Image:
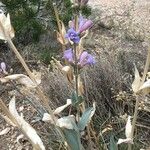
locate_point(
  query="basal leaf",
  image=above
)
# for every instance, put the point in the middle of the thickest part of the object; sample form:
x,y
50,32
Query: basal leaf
x,y
70,131
76,100
73,139
86,117
112,145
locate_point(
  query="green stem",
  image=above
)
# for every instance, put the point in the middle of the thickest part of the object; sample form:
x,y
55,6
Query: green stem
x,y
76,78
76,57
76,67
138,98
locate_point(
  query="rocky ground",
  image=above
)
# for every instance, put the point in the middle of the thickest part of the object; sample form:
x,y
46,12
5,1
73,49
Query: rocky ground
x,y
130,16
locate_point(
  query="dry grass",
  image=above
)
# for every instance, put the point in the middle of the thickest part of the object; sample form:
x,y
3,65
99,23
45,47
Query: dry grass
x,y
116,46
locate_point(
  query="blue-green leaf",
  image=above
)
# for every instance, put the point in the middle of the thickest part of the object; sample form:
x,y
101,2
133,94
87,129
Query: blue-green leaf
x,y
113,145
71,132
86,117
73,139
76,100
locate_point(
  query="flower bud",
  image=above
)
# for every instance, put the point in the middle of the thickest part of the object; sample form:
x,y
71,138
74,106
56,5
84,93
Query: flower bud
x,y
3,66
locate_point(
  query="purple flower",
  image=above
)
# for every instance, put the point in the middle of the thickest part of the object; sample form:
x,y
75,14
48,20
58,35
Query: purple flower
x,y
68,55
86,59
2,67
84,24
73,35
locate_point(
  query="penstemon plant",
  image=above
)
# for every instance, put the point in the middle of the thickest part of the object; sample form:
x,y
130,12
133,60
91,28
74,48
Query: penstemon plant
x,y
76,58
73,126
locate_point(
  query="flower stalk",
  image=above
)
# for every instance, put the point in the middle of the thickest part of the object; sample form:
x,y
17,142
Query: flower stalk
x,y
76,58
138,95
20,58
76,68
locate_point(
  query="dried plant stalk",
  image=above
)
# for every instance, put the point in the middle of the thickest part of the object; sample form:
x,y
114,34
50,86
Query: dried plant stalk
x,y
138,97
43,98
5,110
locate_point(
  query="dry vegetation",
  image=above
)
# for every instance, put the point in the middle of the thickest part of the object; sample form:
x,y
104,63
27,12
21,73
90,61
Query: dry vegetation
x,y
119,39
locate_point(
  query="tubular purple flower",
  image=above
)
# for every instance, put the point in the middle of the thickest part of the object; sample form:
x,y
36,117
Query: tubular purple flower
x,y
84,24
68,55
73,36
82,21
86,59
2,67
88,24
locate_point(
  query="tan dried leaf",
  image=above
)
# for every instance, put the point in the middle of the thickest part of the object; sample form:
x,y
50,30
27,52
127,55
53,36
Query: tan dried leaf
x,y
128,128
26,128
69,73
125,141
61,108
61,36
109,128
5,131
21,136
63,30
80,47
48,118
5,21
66,122
137,81
80,87
93,111
23,79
